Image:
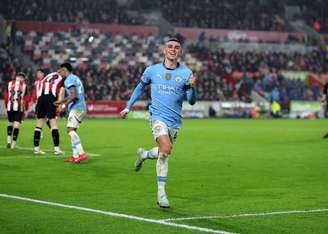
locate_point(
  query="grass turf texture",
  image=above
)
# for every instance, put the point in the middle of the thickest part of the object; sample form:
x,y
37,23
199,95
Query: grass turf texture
x,y
218,167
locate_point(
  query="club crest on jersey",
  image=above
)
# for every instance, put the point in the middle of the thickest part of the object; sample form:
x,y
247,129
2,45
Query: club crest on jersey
x,y
178,79
157,129
168,76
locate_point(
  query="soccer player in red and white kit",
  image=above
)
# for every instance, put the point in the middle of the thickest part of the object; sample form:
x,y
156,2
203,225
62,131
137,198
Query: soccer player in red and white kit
x,y
47,90
16,101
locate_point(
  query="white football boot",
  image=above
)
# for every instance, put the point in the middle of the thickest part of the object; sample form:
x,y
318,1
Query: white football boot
x,y
140,160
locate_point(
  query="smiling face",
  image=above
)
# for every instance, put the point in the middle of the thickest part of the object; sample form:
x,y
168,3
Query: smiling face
x,y
172,50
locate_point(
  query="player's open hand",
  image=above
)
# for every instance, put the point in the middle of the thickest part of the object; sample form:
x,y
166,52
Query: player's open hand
x,y
124,113
58,103
192,81
60,108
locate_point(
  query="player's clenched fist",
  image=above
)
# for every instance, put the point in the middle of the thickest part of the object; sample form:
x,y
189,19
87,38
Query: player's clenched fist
x,y
192,81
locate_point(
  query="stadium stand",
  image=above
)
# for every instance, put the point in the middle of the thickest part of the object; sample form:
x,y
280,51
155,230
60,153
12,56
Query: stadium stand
x,y
245,15
83,11
225,14
111,63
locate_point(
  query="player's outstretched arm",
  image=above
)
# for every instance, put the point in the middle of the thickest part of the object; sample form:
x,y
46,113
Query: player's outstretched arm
x,y
61,96
134,97
191,92
67,100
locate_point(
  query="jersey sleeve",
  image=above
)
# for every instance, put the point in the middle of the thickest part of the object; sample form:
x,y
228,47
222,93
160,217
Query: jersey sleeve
x,y
146,76
186,79
33,97
26,98
70,82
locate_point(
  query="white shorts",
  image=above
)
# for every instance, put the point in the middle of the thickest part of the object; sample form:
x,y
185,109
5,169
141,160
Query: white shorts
x,y
75,118
159,128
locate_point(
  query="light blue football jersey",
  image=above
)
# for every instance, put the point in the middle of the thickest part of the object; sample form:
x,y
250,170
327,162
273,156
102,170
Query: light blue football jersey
x,y
168,90
74,81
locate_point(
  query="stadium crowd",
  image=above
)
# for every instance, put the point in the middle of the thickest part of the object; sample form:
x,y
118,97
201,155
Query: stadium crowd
x,y
110,65
314,13
245,15
82,11
112,75
225,14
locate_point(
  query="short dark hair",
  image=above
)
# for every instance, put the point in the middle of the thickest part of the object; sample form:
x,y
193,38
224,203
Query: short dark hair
x,y
68,66
22,74
176,37
40,70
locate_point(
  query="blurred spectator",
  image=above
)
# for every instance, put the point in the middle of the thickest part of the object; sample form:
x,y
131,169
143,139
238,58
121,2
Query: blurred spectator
x,y
2,30
245,15
82,11
239,14
111,66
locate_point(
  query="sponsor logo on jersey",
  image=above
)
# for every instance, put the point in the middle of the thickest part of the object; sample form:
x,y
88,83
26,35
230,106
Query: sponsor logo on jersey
x,y
168,76
178,79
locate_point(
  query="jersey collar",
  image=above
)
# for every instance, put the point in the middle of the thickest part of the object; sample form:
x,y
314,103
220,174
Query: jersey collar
x,y
178,65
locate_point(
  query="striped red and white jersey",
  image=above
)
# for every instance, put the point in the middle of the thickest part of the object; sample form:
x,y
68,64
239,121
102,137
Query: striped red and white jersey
x,y
17,96
50,84
34,97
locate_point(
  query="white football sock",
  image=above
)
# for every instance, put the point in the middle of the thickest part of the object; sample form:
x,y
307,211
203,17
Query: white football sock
x,y
74,150
13,144
76,143
9,139
162,170
150,154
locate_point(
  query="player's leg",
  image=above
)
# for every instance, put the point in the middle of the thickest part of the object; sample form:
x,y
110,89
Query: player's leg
x,y
9,134
10,128
17,117
37,135
77,148
326,116
75,154
153,152
158,128
148,154
41,109
161,135
16,126
55,136
143,155
165,147
48,123
73,123
51,120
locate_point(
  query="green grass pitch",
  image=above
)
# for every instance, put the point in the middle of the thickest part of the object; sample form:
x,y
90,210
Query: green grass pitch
x,y
218,168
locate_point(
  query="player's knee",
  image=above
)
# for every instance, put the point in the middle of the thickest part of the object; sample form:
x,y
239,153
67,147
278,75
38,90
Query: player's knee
x,y
69,130
53,123
16,125
166,149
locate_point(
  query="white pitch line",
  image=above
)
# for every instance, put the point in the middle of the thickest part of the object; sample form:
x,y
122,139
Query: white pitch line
x,y
248,215
114,214
47,150
36,157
